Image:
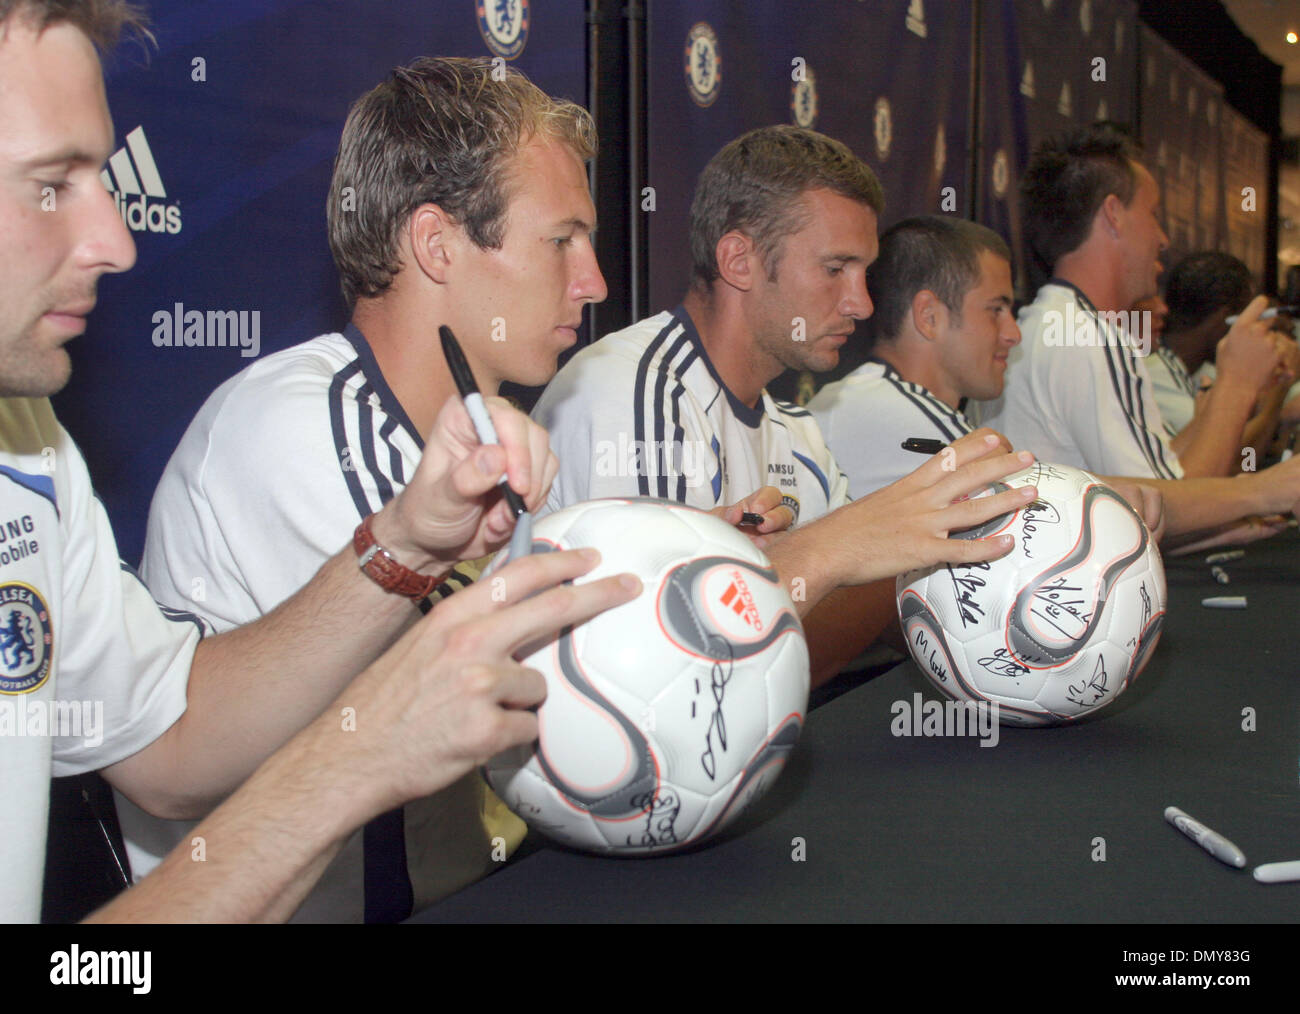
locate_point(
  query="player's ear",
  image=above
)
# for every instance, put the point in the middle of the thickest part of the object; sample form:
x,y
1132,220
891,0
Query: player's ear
x,y
432,235
738,260
929,315
1110,215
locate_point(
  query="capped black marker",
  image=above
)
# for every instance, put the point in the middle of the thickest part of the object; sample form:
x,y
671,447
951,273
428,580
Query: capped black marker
x,y
923,445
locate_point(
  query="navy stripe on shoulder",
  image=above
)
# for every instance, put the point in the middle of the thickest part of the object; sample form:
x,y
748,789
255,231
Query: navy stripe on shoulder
x,y
639,397
661,449
1155,446
175,615
679,431
809,464
940,415
342,451
1127,388
366,435
387,399
395,465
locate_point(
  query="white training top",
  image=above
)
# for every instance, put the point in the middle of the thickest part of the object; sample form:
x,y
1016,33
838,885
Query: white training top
x,y
867,415
1077,392
91,671
270,480
642,412
1175,390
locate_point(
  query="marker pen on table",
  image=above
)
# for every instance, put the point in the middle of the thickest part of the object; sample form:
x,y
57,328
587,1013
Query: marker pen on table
x,y
1213,843
1277,873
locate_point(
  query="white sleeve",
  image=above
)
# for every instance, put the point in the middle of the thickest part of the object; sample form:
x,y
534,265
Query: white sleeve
x,y
867,422
1084,405
1176,404
840,494
590,414
562,413
117,647
252,503
837,482
1112,414
849,435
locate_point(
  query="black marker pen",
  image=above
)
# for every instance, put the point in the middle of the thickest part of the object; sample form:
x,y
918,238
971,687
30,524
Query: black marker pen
x,y
923,445
476,407
521,539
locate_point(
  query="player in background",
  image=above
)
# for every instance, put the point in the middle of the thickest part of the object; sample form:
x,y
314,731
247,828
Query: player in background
x,y
1203,290
783,228
187,720
941,334
1077,389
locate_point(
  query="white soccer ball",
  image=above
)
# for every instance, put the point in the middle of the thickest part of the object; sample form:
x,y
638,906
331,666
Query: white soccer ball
x,y
667,716
1059,627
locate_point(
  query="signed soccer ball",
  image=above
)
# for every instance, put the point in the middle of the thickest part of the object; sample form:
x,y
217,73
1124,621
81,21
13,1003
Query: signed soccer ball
x,y
667,716
1059,627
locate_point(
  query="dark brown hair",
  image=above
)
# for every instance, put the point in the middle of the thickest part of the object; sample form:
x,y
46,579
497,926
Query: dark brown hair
x,y
932,252
1067,180
755,185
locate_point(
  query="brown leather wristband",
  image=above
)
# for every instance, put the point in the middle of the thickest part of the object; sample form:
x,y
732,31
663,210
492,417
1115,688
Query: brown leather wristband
x,y
378,565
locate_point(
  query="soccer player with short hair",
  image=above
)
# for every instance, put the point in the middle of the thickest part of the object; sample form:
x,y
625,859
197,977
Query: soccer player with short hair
x,y
941,333
1077,389
459,197
1202,291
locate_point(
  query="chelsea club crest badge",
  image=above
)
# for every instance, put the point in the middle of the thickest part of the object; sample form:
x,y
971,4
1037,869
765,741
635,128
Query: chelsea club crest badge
x,y
26,639
883,128
503,25
703,64
803,97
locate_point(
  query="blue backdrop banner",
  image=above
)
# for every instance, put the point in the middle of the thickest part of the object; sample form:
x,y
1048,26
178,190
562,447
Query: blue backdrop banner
x,y
889,78
1045,66
1182,124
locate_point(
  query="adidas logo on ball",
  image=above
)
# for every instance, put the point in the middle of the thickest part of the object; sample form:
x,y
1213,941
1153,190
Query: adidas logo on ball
x,y
671,715
740,601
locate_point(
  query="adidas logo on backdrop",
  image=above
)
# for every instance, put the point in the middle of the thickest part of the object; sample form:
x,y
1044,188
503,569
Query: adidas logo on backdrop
x,y
132,178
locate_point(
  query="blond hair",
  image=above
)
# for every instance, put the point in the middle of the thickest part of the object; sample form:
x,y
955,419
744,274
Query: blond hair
x,y
440,131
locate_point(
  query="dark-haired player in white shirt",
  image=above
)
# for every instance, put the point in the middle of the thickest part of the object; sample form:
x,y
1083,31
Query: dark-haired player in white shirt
x,y
941,333
1077,390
